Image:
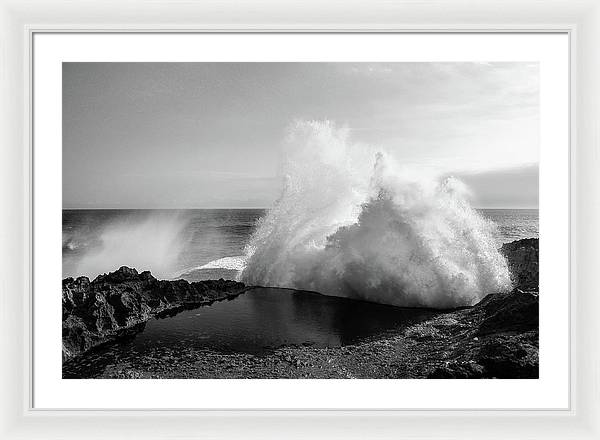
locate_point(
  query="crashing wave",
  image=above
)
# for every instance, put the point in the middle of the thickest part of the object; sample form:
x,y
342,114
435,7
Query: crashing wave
x,y
351,222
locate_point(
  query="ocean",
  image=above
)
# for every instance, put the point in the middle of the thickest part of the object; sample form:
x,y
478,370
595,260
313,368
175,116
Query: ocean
x,y
196,244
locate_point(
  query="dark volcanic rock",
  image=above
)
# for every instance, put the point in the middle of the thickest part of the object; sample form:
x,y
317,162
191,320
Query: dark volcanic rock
x,y
458,370
511,356
501,339
117,303
523,261
509,334
517,311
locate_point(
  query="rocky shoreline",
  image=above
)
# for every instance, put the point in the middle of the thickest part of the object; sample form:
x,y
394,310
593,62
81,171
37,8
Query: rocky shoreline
x,y
496,338
119,303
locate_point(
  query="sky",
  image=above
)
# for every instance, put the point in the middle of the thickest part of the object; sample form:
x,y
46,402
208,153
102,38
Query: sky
x,y
209,135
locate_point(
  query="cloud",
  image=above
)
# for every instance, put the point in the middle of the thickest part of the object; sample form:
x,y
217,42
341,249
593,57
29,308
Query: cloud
x,y
516,187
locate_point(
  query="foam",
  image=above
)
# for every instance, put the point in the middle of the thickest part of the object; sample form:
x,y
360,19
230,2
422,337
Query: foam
x,y
352,222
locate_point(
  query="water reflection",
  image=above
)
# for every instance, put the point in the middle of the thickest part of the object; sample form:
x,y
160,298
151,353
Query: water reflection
x,y
260,320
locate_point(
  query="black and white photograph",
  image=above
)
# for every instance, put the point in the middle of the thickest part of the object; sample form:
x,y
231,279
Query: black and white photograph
x,y
300,220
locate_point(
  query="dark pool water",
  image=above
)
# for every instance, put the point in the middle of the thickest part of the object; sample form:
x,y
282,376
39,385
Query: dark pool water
x,y
260,320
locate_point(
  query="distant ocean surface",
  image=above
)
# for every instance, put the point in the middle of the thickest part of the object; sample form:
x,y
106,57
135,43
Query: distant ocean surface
x,y
195,244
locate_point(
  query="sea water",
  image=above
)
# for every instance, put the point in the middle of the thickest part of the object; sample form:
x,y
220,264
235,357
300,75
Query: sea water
x,y
196,244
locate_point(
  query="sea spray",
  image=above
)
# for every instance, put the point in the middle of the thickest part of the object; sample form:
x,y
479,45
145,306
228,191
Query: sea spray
x,y
145,240
351,222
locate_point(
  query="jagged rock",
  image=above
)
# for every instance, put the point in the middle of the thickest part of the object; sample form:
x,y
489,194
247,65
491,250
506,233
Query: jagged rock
x,y
517,311
523,261
501,340
119,303
510,355
458,370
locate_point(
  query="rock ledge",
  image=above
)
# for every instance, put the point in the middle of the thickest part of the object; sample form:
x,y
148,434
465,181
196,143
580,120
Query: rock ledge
x,y
119,303
523,261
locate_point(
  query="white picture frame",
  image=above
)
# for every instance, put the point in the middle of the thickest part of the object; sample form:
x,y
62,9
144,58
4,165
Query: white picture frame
x,y
581,20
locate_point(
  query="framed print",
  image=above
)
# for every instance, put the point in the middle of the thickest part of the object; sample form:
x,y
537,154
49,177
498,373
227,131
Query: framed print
x,y
262,225
367,239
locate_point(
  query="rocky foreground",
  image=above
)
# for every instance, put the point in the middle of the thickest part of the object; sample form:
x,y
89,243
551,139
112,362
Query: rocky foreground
x,y
498,337
119,303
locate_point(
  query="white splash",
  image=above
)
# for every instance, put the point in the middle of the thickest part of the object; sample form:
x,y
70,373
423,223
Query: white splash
x,y
351,222
229,263
150,242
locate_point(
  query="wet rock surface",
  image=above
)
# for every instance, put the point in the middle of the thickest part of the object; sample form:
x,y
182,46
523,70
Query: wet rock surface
x,y
523,261
496,338
117,305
